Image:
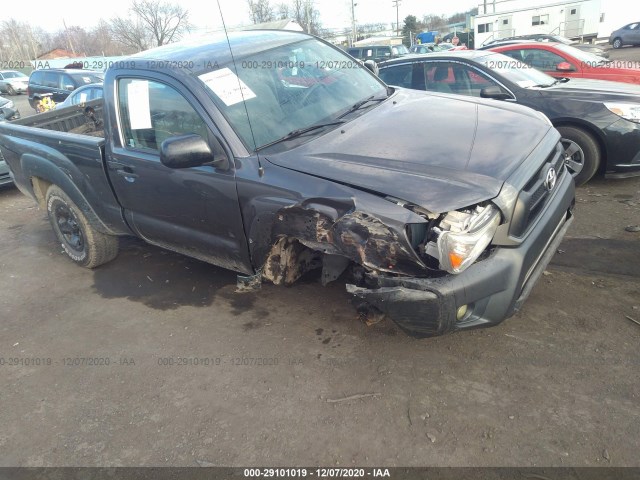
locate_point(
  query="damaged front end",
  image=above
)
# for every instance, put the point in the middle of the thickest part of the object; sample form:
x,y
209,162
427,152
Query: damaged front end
x,y
431,273
311,235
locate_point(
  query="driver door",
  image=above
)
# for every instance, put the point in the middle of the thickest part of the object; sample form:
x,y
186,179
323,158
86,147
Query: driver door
x,y
195,210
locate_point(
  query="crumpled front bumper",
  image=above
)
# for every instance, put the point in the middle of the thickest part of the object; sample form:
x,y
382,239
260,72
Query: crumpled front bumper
x,y
492,289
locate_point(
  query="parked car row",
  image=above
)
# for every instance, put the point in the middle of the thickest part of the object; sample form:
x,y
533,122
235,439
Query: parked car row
x,y
599,121
542,37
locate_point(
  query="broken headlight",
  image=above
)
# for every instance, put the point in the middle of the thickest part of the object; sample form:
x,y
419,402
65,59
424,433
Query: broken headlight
x,y
463,236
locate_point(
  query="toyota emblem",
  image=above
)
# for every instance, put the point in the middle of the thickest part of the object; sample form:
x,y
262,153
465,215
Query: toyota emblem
x,y
550,181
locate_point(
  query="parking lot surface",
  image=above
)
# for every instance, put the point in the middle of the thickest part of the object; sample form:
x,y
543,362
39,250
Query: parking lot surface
x,y
153,359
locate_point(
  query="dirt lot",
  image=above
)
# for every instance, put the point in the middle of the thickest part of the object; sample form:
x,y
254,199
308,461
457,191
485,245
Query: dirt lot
x,y
555,385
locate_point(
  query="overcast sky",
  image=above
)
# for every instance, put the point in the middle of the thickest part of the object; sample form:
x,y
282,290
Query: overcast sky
x,y
205,14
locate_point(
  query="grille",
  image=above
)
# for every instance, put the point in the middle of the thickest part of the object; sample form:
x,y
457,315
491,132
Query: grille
x,y
535,194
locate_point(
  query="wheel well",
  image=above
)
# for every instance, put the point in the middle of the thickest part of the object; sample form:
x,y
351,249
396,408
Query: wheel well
x,y
591,131
40,187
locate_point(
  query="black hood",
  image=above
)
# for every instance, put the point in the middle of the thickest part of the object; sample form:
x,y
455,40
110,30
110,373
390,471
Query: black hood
x,y
600,90
442,152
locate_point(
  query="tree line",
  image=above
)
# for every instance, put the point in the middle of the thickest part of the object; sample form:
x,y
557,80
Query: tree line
x,y
149,23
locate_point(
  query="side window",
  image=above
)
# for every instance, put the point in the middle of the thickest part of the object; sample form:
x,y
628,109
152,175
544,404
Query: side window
x,y
542,59
51,80
151,112
67,82
439,77
36,77
517,54
478,80
95,93
383,52
399,75
80,97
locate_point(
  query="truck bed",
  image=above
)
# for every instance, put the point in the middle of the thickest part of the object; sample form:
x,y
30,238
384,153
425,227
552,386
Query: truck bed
x,y
83,120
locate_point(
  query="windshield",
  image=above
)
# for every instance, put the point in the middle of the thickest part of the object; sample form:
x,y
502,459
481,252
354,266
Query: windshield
x,y
584,57
14,75
288,88
518,72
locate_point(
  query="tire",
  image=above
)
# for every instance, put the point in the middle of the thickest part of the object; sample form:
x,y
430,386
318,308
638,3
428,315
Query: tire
x,y
80,240
617,42
582,154
11,90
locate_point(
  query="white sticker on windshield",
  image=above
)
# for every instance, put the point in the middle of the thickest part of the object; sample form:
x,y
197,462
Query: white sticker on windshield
x,y
138,98
227,86
526,83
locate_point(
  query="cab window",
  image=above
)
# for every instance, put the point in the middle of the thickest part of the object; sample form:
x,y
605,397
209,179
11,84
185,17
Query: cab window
x,y
151,112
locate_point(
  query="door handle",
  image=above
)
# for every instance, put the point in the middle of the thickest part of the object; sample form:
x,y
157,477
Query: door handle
x,y
115,165
125,173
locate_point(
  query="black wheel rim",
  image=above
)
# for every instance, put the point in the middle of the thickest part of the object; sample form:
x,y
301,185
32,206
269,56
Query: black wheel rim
x,y
573,157
69,228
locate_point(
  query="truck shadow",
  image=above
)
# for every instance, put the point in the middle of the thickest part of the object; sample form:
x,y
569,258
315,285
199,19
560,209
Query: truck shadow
x,y
161,279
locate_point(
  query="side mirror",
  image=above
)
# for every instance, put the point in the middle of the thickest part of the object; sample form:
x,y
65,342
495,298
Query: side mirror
x,y
494,92
373,66
186,151
564,67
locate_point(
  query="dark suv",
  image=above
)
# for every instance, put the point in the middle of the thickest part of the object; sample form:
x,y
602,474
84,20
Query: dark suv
x,y
59,83
378,53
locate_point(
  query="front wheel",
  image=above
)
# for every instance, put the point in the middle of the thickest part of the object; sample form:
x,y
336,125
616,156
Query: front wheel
x,y
11,90
85,245
581,153
617,43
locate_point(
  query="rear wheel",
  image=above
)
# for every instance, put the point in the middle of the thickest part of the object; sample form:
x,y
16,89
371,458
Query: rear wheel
x,y
617,43
581,153
85,245
11,90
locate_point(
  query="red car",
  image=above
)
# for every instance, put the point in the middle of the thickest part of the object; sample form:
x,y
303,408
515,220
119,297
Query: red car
x,y
560,60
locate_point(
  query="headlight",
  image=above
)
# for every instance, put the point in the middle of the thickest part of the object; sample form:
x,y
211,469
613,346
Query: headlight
x,y
628,111
464,236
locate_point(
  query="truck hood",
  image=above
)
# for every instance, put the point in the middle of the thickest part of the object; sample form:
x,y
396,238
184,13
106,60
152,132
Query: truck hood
x,y
442,152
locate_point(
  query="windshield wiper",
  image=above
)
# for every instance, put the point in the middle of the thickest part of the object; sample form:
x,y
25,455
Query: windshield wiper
x,y
301,131
360,104
555,82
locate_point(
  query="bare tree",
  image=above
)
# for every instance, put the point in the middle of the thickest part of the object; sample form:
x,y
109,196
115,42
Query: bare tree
x,y
283,11
20,41
434,22
261,11
307,16
153,23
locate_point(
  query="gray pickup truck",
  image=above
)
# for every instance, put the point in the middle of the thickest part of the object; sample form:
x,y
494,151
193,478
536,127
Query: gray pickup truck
x,y
289,156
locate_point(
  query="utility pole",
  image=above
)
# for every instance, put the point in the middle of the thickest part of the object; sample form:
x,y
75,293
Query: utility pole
x,y
396,3
354,34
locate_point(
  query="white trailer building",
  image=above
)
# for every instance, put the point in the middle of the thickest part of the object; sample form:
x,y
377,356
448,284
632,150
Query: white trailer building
x,y
581,19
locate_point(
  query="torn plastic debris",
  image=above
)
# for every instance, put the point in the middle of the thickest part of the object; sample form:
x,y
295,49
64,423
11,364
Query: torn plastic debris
x,y
251,283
